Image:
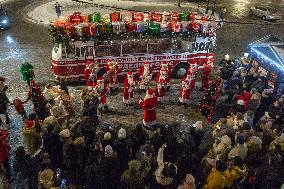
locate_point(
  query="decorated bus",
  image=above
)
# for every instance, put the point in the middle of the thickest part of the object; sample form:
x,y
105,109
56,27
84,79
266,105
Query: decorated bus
x,y
130,39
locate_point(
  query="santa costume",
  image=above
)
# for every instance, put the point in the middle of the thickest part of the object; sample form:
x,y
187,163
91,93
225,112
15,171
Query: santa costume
x,y
112,73
149,105
167,67
90,73
101,90
161,85
129,86
187,83
145,75
205,76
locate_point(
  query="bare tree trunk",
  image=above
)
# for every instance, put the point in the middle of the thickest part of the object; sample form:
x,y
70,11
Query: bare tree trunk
x,y
179,2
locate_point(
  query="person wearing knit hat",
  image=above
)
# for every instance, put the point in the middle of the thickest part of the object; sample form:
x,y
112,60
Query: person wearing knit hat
x,y
121,133
107,136
65,133
149,105
79,141
240,149
188,183
222,148
129,86
108,151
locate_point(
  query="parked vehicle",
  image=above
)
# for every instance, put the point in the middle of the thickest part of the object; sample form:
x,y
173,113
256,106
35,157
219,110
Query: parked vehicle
x,y
265,13
5,21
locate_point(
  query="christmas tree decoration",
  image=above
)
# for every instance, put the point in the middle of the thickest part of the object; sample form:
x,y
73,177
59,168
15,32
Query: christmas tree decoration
x,y
79,28
92,29
95,17
207,104
60,22
27,72
115,17
69,29
137,17
192,17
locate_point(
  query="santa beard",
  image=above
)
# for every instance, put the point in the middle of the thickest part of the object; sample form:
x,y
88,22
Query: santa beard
x,y
146,71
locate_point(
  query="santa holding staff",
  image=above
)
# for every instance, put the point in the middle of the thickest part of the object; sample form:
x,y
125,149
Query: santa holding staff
x,y
161,84
129,86
149,105
145,75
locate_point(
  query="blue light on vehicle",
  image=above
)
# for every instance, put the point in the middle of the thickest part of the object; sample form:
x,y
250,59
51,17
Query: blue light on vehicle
x,y
5,21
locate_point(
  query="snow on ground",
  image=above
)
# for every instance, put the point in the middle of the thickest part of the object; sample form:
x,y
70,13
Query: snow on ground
x,y
45,13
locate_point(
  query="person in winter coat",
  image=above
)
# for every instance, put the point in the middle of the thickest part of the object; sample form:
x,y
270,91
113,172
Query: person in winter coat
x,y
90,111
121,146
135,174
222,147
4,151
138,138
27,167
53,146
240,149
110,168
67,144
166,171
4,101
32,137
238,171
218,177
19,107
188,183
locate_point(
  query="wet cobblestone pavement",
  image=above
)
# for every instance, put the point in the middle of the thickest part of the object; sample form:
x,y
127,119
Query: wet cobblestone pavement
x,y
30,42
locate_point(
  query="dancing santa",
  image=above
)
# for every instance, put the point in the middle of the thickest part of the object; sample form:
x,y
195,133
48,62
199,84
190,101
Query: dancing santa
x,y
145,75
100,91
112,72
149,105
161,84
167,67
91,72
187,84
129,86
205,76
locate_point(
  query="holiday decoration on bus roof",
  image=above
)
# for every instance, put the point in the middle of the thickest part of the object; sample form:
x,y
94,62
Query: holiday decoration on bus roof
x,y
119,25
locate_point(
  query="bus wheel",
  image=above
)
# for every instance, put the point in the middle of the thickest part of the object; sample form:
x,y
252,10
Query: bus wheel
x,y
180,70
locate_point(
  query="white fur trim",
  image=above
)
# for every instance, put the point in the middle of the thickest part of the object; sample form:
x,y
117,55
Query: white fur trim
x,y
182,100
227,57
149,123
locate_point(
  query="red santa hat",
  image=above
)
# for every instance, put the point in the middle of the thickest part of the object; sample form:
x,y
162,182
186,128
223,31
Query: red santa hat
x,y
150,93
164,64
240,102
129,73
146,63
88,62
100,79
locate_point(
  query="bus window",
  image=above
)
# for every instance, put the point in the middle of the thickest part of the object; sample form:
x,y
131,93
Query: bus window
x,y
115,47
154,46
127,47
186,46
140,46
102,49
91,51
71,51
78,51
176,45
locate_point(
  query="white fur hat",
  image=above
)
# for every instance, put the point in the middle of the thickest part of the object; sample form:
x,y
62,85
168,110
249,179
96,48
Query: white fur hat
x,y
227,57
65,133
199,125
121,133
246,55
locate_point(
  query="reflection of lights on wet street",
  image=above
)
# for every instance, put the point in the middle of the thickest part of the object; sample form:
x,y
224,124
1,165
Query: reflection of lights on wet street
x,y
239,7
10,40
